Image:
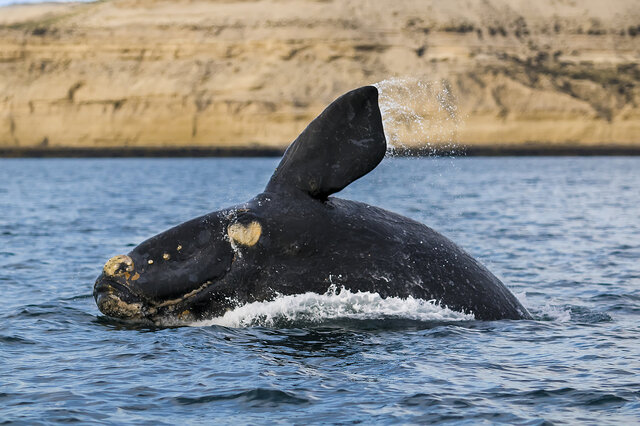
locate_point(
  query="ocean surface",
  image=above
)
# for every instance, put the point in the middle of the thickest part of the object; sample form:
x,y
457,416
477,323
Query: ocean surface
x,y
562,233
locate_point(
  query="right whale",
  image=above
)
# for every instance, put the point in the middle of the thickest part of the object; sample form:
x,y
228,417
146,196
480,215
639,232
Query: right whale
x,y
294,238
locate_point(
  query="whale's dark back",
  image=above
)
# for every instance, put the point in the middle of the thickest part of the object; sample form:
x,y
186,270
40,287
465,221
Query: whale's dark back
x,y
309,245
360,246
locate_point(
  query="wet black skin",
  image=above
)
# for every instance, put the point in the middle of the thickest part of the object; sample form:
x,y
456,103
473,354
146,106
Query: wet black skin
x,y
307,242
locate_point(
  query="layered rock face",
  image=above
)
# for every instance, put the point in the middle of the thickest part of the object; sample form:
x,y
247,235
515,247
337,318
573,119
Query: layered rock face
x,y
144,73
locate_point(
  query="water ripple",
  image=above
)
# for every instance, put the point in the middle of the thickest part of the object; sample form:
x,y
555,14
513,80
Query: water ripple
x,y
254,398
560,232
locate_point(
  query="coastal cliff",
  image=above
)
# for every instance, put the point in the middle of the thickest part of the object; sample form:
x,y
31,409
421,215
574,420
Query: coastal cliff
x,y
252,74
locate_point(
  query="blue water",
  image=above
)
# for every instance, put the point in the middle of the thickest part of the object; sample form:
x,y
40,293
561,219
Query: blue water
x,y
563,234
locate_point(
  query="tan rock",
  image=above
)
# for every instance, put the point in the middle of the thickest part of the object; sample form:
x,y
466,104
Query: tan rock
x,y
143,73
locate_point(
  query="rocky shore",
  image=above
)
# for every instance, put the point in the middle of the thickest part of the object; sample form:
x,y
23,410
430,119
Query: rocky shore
x,y
246,76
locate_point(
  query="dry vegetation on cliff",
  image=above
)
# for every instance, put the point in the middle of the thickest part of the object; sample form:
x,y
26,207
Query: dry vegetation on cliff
x,y
144,73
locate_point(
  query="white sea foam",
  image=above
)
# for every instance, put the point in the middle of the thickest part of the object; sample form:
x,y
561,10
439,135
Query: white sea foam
x,y
546,312
554,313
334,304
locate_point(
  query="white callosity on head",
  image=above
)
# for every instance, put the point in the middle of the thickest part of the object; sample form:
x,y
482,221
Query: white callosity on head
x,y
118,265
116,307
244,235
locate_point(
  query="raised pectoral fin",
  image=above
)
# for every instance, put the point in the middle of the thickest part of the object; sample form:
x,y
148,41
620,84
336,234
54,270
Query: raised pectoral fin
x,y
342,144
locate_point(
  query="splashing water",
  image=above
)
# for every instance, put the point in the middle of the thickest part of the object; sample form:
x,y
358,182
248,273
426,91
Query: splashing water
x,y
334,304
418,116
546,312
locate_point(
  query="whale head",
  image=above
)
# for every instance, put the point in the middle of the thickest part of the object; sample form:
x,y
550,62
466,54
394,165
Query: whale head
x,y
195,270
168,275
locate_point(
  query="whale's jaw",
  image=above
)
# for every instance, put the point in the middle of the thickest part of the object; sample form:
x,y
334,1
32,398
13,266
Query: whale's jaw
x,y
116,301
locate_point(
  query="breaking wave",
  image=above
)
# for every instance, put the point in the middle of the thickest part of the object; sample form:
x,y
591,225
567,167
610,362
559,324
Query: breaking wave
x,y
313,308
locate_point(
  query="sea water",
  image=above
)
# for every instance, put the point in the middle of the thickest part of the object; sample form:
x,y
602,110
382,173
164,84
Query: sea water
x,y
562,233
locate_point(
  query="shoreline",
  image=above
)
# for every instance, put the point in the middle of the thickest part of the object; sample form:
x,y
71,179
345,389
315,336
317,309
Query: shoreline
x,y
196,152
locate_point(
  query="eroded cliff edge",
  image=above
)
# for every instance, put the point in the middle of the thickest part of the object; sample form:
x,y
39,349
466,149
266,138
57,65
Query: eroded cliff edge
x,y
143,73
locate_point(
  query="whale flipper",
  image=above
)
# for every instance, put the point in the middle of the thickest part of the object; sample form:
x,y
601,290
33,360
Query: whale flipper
x,y
342,144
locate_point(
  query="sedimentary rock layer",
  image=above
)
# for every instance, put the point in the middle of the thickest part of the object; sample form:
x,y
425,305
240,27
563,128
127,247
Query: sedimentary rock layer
x,y
143,73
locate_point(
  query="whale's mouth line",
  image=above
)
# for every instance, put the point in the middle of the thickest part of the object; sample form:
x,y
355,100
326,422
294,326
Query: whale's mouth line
x,y
193,293
112,287
107,286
